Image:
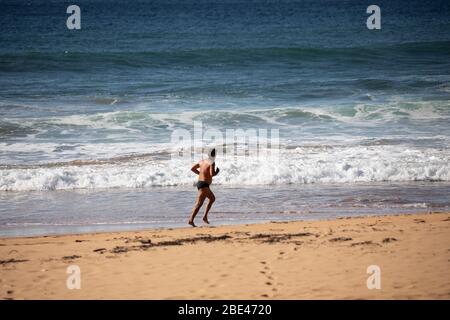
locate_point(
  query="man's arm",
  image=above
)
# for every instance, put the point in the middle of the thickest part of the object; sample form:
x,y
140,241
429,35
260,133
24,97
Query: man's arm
x,y
195,167
213,170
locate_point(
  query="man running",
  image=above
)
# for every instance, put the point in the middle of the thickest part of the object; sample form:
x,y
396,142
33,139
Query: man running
x,y
206,169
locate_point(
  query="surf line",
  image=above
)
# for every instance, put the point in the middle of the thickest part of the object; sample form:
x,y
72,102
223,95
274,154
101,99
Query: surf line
x,y
190,310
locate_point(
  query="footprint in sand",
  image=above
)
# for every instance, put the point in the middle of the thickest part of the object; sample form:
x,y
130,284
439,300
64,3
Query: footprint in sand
x,y
268,280
281,255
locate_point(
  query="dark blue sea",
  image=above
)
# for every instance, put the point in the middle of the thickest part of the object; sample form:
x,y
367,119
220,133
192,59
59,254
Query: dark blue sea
x,y
87,116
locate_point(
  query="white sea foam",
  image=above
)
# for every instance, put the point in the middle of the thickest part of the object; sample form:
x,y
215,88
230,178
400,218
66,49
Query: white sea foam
x,y
302,165
49,152
393,141
134,121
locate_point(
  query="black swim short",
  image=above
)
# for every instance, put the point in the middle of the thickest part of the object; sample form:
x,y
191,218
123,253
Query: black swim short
x,y
202,184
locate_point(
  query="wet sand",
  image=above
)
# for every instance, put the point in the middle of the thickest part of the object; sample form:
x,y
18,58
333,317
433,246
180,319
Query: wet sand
x,y
282,260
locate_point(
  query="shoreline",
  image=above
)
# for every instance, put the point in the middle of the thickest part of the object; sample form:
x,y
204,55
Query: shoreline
x,y
130,210
200,225
325,259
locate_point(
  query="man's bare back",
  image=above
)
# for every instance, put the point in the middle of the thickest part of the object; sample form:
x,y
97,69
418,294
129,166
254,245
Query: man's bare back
x,y
206,170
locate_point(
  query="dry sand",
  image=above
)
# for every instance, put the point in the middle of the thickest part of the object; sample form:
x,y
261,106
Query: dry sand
x,y
294,260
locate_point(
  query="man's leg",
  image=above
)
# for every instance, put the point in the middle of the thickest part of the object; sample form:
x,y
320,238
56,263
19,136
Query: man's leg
x,y
198,204
212,198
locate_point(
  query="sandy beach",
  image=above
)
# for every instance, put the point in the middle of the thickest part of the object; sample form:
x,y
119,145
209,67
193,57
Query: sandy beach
x,y
292,260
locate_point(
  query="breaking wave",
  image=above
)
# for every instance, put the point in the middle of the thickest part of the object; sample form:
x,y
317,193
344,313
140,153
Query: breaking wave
x,y
300,165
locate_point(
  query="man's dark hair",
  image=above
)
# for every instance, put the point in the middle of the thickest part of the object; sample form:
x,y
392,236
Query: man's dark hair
x,y
213,152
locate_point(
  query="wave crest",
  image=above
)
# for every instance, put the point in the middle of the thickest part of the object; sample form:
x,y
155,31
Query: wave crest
x,y
302,165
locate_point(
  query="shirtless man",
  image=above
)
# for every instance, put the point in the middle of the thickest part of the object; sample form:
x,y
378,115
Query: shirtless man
x,y
206,169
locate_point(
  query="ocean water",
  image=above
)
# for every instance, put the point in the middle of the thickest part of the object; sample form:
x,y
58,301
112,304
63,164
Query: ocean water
x,y
86,116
